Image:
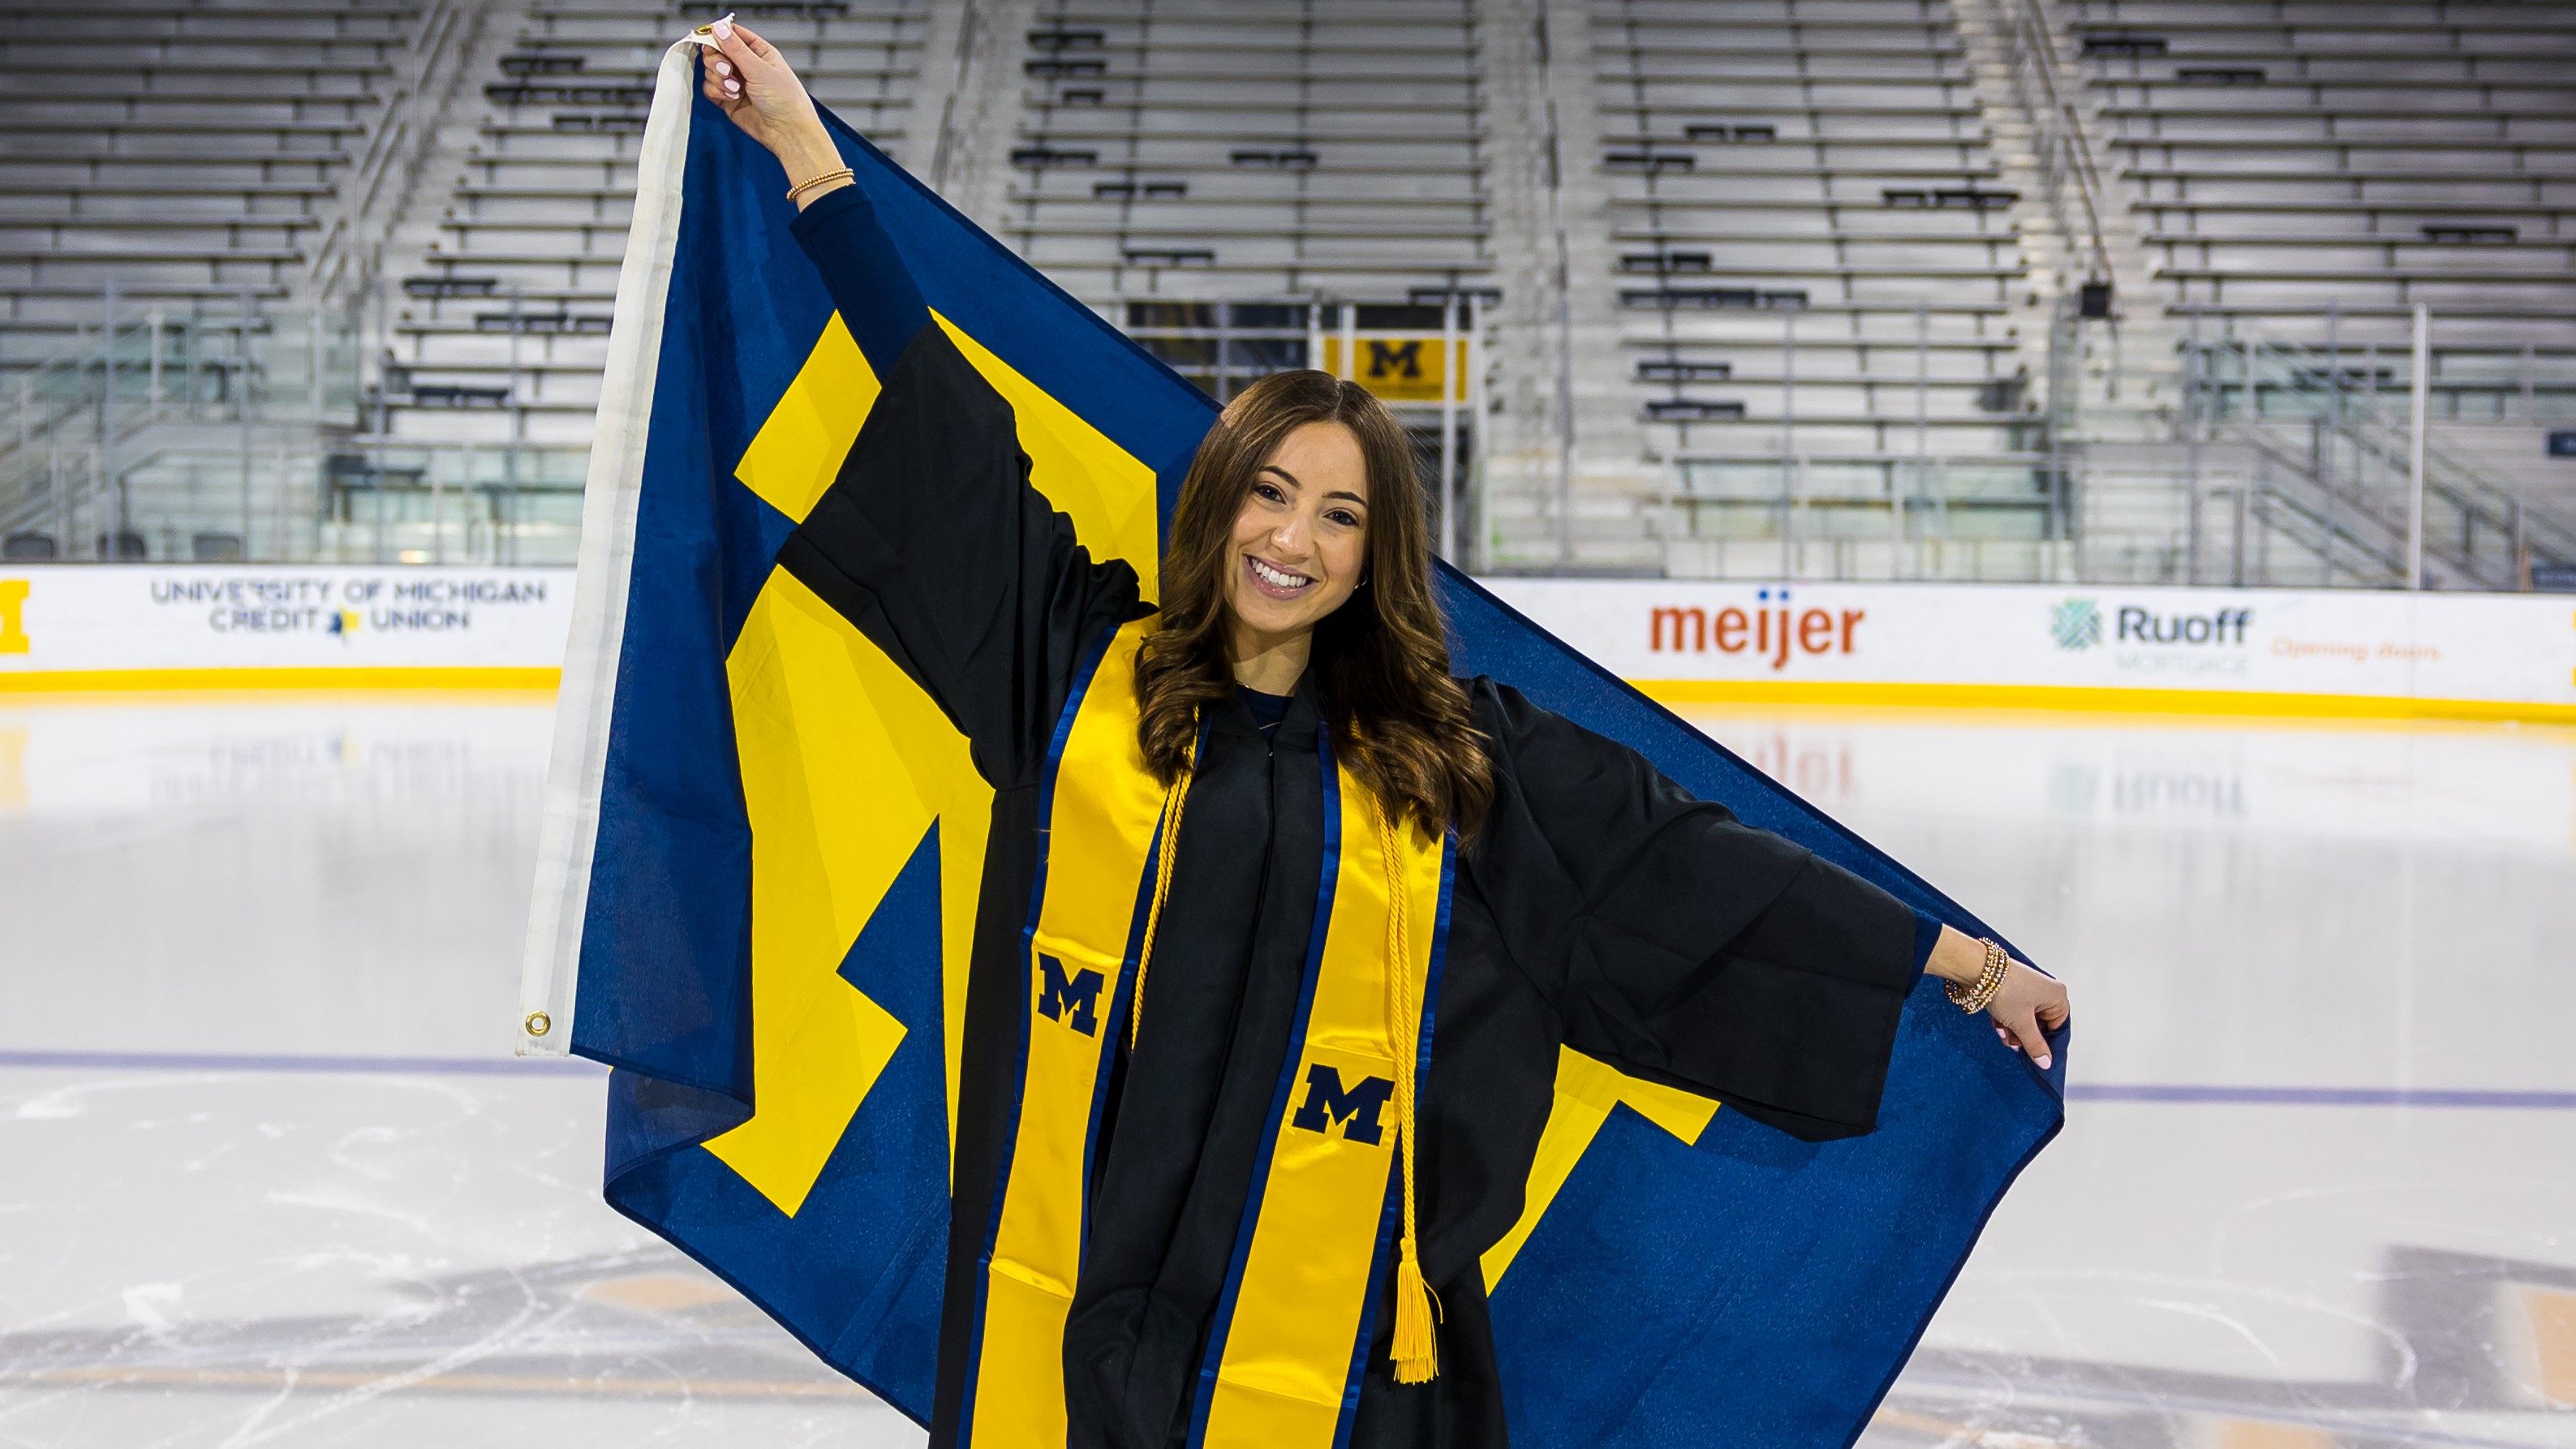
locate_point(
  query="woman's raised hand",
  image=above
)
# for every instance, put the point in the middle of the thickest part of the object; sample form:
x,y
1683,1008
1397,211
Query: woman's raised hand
x,y
751,82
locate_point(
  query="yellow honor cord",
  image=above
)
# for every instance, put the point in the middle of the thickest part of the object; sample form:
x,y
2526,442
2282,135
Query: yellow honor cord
x,y
1416,1349
1173,799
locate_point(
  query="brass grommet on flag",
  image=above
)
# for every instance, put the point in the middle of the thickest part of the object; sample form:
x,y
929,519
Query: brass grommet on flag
x,y
538,1023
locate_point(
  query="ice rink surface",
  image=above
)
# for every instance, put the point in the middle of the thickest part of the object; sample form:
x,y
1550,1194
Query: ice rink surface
x,y
268,1177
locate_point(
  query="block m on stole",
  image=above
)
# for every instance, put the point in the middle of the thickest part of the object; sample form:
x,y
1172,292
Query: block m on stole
x,y
1356,1109
1075,1001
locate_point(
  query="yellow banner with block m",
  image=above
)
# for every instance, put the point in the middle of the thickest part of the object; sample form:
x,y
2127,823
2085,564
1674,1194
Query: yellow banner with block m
x,y
1402,367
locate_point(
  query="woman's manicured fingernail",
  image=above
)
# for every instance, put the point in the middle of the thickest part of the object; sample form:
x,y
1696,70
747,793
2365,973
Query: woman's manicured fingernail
x,y
723,69
724,30
2043,1061
733,88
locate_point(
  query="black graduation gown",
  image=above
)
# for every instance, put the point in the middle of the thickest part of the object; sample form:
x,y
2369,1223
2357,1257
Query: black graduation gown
x,y
1602,907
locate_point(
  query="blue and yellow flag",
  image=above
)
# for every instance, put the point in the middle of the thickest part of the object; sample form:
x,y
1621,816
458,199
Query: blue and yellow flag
x,y
763,844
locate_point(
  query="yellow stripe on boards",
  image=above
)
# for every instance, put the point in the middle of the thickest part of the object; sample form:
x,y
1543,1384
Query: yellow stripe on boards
x,y
1108,494
845,763
326,679
1306,1276
2098,700
2068,698
801,445
1586,1091
1099,830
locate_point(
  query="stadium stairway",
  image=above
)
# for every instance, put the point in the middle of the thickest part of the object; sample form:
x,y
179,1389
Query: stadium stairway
x,y
502,316
1828,324
492,322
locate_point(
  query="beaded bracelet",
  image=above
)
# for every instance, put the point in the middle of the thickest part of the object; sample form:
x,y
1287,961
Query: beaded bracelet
x,y
1989,983
826,179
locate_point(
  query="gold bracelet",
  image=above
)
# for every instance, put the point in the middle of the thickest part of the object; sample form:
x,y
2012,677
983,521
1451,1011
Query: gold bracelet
x,y
1989,983
826,179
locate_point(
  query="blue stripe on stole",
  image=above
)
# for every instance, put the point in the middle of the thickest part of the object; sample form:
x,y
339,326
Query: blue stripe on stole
x,y
1082,676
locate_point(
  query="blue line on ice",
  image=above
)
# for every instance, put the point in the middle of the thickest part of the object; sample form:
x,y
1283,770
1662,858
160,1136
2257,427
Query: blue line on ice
x,y
562,1066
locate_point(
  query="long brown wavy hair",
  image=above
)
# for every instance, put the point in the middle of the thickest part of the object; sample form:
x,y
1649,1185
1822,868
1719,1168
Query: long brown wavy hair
x,y
1381,660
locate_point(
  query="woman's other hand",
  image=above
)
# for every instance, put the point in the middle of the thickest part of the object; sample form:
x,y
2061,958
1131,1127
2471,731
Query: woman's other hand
x,y
752,83
2030,1004
2027,1007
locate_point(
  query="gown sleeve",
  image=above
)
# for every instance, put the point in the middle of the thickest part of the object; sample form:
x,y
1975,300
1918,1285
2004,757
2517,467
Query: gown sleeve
x,y
931,540
1680,945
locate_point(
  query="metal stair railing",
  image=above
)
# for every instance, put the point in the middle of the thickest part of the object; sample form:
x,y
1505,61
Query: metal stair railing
x,y
76,426
2352,465
2065,154
349,252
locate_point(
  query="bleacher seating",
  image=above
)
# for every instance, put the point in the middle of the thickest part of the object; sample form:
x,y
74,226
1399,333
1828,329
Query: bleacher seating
x,y
182,148
1820,273
1214,149
2361,156
1814,287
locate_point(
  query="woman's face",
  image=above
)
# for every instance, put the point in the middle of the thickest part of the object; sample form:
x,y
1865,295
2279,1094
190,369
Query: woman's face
x,y
1301,541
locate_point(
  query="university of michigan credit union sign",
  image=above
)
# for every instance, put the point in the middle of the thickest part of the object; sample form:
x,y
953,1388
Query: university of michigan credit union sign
x,y
119,626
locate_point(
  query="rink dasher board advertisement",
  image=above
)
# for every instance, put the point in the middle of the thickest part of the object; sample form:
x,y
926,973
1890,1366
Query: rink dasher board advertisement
x,y
2255,650
151,626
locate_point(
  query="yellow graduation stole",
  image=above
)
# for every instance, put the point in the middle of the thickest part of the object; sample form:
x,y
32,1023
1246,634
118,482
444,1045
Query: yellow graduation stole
x,y
1328,1204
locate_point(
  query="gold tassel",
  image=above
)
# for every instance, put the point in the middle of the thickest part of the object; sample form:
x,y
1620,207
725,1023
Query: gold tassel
x,y
1417,1349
